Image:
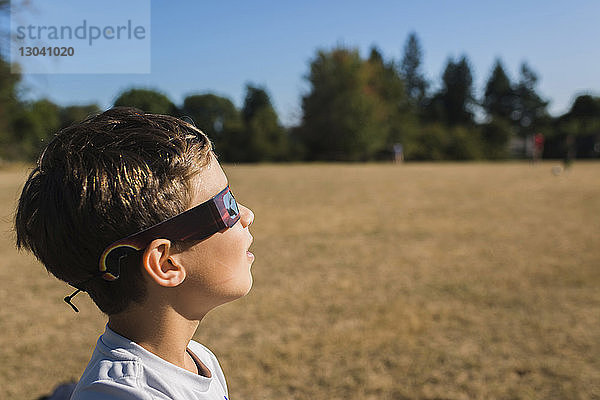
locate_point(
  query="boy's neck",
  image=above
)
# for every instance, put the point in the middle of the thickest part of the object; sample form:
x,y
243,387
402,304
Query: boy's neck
x,y
164,333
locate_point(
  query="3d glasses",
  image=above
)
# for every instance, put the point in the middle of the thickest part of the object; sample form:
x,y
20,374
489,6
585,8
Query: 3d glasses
x,y
197,223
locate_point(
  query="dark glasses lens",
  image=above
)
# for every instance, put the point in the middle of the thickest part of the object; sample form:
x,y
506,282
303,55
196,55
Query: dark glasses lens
x,y
231,205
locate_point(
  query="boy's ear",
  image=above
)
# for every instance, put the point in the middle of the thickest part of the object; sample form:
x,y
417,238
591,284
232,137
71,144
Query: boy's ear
x,y
160,266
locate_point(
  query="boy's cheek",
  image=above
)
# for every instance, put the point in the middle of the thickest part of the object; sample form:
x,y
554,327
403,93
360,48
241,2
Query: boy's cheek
x,y
219,266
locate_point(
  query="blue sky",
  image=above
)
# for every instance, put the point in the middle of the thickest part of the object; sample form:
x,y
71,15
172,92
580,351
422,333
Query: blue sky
x,y
202,46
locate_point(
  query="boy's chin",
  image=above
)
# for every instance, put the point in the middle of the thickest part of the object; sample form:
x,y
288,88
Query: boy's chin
x,y
244,287
239,289
251,281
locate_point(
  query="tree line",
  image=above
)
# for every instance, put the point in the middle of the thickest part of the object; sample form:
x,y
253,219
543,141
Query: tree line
x,y
356,109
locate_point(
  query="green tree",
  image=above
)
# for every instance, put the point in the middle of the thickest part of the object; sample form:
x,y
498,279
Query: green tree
x,y
70,114
256,99
499,98
9,107
579,129
396,111
464,143
211,113
429,143
219,118
585,106
344,114
148,100
375,56
411,71
453,104
499,103
265,138
457,96
530,111
495,136
436,141
33,126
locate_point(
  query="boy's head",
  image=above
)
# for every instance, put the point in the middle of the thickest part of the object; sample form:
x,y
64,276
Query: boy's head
x,y
101,180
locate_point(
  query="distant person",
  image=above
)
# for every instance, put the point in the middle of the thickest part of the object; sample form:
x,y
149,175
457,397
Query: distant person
x,y
538,147
569,151
398,152
135,210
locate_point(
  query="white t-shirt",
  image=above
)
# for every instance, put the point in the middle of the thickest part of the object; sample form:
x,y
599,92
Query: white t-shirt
x,y
121,369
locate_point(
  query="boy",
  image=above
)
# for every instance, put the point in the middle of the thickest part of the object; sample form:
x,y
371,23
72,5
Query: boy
x,y
135,210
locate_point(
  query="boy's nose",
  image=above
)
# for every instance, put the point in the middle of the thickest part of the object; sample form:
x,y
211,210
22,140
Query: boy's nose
x,y
246,216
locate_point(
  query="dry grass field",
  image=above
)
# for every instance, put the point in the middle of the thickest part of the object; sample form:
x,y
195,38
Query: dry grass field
x,y
416,281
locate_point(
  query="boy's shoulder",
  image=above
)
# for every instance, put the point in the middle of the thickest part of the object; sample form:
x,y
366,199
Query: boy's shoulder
x,y
121,369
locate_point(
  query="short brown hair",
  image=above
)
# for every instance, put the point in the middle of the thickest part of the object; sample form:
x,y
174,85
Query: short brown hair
x,y
100,180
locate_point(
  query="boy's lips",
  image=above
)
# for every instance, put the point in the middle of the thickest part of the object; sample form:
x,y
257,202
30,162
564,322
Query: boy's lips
x,y
249,254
